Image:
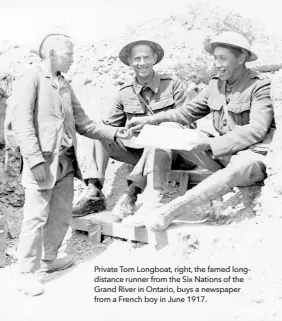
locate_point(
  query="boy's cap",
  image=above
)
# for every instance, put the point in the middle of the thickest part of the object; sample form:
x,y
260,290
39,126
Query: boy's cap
x,y
39,43
50,34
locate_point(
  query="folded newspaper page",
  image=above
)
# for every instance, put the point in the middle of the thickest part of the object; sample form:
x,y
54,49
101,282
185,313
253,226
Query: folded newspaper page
x,y
167,138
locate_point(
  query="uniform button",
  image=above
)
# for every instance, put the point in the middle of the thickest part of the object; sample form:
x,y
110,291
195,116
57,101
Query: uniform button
x,y
224,123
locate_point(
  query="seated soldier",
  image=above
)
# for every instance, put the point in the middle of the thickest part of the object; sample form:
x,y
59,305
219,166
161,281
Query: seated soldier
x,y
149,93
242,111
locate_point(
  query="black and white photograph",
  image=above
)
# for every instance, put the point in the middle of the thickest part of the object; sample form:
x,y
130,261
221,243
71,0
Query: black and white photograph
x,y
140,160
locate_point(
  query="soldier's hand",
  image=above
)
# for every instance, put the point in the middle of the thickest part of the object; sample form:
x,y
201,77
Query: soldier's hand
x,y
124,133
137,123
39,172
201,143
200,147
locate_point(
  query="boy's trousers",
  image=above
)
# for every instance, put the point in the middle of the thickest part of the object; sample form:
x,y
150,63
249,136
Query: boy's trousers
x,y
47,215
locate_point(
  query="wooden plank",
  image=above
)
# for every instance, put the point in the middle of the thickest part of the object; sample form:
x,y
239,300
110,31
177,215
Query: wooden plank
x,y
192,177
195,176
184,180
81,223
95,233
88,224
139,234
2,249
108,227
99,224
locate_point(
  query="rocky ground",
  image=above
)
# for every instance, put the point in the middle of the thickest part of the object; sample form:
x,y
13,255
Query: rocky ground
x,y
248,233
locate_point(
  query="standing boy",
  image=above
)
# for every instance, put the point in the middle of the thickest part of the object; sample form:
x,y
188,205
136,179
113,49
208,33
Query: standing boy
x,y
46,116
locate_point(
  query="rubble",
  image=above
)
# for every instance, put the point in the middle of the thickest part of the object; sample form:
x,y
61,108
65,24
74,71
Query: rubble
x,y
97,72
96,75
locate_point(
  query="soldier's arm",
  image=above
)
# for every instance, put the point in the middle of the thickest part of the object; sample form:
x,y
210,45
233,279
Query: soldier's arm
x,y
116,116
179,93
242,137
22,119
87,127
186,114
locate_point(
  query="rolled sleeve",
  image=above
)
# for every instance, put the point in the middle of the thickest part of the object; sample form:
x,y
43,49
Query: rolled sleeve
x,y
35,160
87,127
242,137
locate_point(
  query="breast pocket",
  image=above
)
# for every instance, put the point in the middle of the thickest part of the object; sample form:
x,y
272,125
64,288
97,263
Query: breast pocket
x,y
134,110
239,107
163,104
240,112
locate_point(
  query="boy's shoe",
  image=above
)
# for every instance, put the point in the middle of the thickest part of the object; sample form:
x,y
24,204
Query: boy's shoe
x,y
56,265
29,284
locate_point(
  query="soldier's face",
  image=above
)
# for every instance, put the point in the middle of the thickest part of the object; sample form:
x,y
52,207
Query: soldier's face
x,y
142,60
226,63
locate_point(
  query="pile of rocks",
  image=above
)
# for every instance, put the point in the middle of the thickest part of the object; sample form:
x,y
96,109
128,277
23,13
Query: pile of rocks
x,y
97,72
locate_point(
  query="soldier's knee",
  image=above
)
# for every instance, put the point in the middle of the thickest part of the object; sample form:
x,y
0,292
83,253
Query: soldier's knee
x,y
246,172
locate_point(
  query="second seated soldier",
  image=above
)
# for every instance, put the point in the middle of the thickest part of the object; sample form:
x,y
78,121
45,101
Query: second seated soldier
x,y
242,112
149,93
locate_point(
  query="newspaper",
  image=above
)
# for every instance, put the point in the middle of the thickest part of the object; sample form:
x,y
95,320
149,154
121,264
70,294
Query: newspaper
x,y
167,138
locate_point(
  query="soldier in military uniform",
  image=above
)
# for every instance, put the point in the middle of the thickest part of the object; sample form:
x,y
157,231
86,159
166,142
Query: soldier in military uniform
x,y
242,112
149,93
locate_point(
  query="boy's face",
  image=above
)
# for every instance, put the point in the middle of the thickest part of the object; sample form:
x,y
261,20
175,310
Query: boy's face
x,y
63,57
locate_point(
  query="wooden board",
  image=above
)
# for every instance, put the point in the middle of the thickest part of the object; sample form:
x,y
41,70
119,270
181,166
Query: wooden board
x,y
184,181
104,222
2,249
195,176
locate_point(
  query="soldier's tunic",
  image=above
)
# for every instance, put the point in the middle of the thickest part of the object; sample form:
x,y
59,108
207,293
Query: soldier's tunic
x,y
243,116
164,92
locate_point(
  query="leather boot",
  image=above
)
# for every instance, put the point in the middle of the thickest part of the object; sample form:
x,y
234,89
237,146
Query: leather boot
x,y
93,201
205,192
158,165
126,204
151,199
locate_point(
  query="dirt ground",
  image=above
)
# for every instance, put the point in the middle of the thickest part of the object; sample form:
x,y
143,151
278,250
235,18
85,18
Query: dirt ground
x,y
225,242
70,293
246,235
